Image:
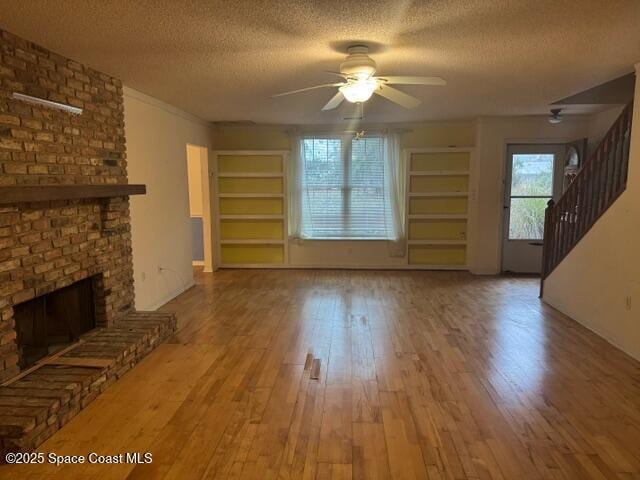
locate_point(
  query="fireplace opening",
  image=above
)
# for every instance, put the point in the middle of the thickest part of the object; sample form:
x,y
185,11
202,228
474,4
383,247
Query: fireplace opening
x,y
49,323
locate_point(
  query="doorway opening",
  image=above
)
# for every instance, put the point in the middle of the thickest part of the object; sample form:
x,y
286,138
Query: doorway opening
x,y
200,206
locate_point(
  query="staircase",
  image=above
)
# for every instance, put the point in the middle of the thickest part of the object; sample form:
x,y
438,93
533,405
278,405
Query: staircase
x,y
599,183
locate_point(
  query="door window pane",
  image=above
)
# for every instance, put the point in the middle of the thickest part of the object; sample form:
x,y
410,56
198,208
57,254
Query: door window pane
x,y
532,174
526,218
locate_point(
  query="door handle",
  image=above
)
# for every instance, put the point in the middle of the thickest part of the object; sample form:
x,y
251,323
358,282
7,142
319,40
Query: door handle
x,y
536,244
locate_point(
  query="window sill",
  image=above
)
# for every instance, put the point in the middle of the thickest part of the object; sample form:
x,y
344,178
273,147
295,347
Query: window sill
x,y
344,239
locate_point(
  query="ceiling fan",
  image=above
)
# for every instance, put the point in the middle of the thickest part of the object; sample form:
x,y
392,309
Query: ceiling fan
x,y
556,116
358,71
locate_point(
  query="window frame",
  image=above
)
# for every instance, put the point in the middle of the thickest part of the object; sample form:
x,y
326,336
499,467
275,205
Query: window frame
x,y
346,151
510,197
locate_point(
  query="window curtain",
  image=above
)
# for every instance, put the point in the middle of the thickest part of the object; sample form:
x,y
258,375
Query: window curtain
x,y
295,176
395,177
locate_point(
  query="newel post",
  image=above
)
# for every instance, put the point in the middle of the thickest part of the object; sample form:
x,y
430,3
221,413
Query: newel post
x,y
547,242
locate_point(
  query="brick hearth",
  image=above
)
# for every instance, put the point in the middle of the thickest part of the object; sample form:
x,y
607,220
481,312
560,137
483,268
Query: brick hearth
x,y
35,406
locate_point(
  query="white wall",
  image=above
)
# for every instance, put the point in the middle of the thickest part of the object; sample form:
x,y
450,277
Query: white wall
x,y
598,283
488,171
599,124
157,136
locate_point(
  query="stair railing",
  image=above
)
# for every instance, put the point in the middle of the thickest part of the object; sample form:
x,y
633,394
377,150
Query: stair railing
x,y
598,184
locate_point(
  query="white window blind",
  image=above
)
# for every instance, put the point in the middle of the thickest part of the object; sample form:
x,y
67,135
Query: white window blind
x,y
344,189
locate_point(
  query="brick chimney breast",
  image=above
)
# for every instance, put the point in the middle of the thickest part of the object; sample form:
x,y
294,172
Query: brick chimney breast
x,y
47,245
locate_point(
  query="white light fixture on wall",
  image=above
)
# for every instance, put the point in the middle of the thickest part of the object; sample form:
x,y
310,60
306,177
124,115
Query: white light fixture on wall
x,y
47,103
359,91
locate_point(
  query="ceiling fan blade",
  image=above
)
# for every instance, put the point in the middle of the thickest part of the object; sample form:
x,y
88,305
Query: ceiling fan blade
x,y
336,73
308,88
396,96
334,102
408,80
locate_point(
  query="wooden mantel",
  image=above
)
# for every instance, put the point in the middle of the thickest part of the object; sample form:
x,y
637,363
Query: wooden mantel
x,y
44,193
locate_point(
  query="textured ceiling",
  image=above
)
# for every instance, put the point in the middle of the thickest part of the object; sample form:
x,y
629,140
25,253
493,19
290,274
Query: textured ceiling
x,y
221,60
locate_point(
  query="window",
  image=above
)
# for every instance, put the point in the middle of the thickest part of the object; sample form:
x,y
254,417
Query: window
x,y
344,188
531,189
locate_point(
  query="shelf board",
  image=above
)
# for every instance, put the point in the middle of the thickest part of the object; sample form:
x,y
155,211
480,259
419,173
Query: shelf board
x,y
45,193
439,194
251,195
252,217
439,216
251,242
437,242
440,173
251,175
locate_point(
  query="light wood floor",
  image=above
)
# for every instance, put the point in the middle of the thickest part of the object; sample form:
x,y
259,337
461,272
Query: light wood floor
x,y
437,375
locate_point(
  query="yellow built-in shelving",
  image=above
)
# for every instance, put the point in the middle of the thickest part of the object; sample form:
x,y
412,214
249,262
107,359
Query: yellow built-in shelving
x,y
251,208
437,207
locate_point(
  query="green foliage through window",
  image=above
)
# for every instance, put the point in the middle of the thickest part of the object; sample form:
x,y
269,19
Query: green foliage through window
x,y
531,189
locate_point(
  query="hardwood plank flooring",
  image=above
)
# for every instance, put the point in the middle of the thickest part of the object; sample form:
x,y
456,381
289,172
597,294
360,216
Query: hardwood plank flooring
x,y
423,375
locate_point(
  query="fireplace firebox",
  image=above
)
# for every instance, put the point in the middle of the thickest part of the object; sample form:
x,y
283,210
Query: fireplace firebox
x,y
48,323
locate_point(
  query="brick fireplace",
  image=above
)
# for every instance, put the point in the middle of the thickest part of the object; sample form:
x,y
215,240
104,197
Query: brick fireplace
x,y
64,217
48,245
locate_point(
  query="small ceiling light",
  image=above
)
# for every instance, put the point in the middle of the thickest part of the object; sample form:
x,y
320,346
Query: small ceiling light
x,y
555,116
359,91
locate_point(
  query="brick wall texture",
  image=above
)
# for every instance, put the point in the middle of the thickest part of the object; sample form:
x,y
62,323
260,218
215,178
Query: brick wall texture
x,y
48,245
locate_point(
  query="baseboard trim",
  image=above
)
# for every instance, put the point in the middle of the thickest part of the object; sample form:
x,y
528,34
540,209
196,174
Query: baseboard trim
x,y
548,301
484,271
425,268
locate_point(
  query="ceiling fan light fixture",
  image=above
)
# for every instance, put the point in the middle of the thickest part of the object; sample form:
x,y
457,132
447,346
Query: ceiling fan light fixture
x,y
359,82
359,91
555,116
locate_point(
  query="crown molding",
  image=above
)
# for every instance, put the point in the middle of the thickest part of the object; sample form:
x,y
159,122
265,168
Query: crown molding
x,y
154,102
